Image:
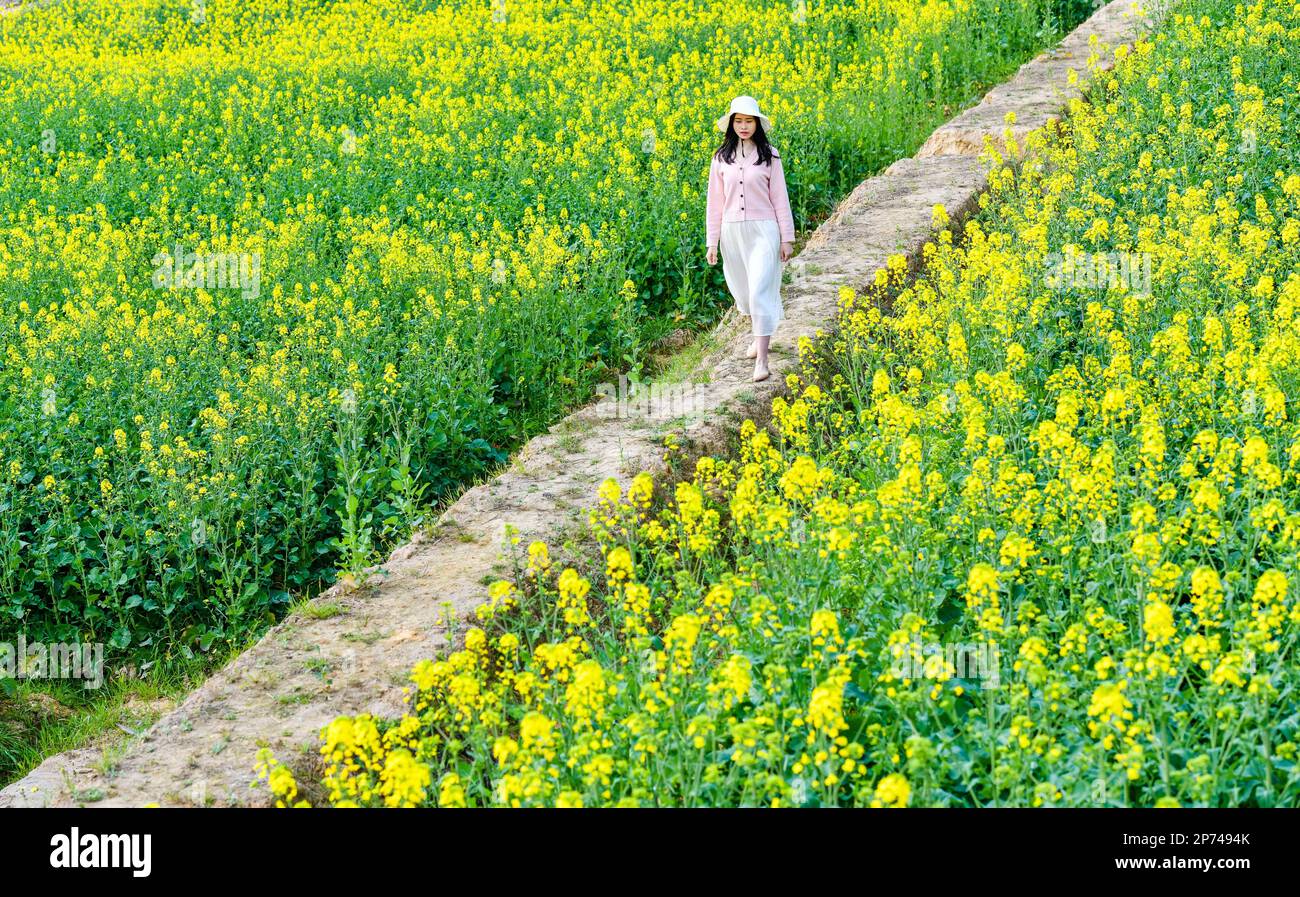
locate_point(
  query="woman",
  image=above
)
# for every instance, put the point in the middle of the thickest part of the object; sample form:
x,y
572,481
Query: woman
x,y
748,213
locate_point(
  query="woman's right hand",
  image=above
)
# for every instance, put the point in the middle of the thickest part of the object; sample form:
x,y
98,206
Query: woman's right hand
x,y
711,256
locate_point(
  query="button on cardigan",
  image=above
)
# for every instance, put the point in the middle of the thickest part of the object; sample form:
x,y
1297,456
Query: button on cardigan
x,y
747,191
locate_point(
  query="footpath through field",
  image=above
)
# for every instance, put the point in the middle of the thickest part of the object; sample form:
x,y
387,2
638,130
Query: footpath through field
x,y
351,650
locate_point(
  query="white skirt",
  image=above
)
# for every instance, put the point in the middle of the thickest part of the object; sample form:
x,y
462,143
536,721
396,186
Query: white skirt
x,y
751,263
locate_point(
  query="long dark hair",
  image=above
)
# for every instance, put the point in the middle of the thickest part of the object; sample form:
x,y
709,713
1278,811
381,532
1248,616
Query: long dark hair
x,y
727,151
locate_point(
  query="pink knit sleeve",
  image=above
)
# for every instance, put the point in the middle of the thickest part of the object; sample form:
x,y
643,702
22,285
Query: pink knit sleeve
x,y
713,206
780,197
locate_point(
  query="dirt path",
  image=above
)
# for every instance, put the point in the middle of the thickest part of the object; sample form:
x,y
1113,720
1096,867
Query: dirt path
x,y
351,651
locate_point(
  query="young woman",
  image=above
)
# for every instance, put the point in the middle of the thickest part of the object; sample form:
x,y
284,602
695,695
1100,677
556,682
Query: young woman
x,y
748,214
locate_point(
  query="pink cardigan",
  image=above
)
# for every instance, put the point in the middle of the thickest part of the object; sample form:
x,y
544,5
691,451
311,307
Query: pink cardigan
x,y
765,198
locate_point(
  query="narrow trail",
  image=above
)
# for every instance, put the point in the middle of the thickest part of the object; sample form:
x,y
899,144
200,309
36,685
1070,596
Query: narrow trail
x,y
313,667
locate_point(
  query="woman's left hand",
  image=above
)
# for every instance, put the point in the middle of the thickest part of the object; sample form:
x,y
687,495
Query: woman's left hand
x,y
787,250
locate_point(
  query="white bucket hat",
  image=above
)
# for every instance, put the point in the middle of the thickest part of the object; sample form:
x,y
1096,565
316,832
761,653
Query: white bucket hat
x,y
745,105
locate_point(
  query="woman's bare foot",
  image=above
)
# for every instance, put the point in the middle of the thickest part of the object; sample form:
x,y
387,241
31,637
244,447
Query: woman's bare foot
x,y
761,372
753,349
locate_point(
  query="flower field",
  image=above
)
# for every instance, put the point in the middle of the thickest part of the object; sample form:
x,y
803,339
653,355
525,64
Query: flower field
x,y
1019,535
278,276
